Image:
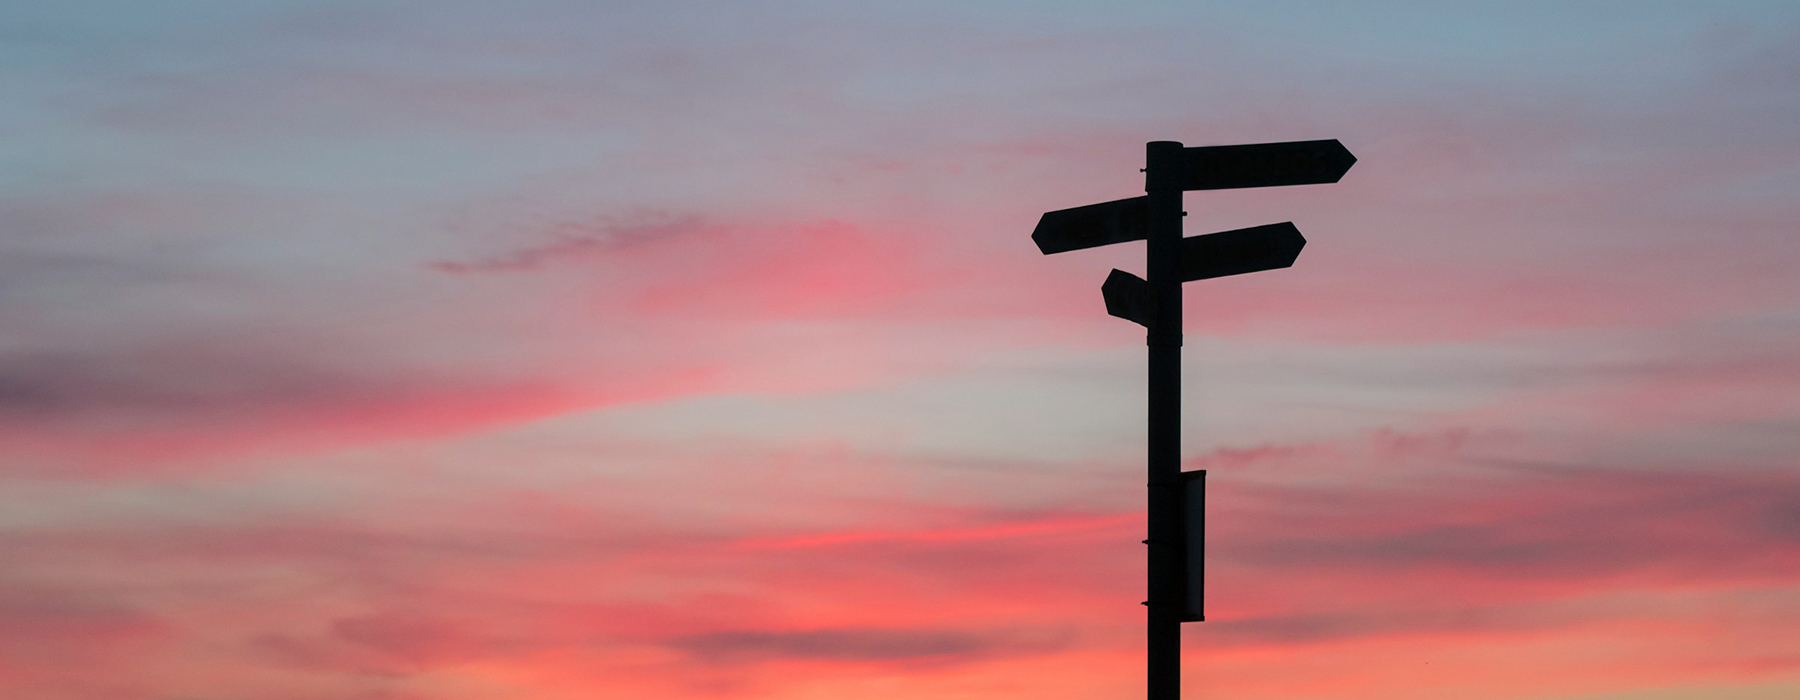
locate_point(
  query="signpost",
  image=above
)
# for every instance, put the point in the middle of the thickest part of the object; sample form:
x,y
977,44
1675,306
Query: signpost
x,y
1177,500
1093,226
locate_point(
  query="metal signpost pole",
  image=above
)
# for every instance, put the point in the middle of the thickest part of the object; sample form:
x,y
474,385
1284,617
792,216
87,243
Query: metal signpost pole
x,y
1167,599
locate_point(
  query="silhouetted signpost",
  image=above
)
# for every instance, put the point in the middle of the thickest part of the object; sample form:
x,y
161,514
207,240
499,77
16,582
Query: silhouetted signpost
x,y
1176,499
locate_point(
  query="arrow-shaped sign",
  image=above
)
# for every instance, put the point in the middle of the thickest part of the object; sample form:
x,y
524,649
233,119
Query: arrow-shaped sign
x,y
1236,252
1093,226
1221,254
1264,165
1127,296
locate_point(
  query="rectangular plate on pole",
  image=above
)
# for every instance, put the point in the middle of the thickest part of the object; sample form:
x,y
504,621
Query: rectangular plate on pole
x,y
1266,164
1243,250
1193,531
1093,225
1128,297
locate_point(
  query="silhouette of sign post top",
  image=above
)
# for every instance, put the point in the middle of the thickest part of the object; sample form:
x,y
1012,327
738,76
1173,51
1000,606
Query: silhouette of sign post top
x,y
1177,500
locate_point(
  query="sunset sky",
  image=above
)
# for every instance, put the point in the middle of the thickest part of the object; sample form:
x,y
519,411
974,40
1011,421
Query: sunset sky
x,y
576,349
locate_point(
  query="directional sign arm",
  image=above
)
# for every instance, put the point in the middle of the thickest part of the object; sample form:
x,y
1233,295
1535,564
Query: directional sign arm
x,y
1092,226
1243,250
1128,297
1266,164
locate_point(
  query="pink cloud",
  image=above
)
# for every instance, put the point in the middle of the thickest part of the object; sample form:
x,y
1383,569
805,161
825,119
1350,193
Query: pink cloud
x,y
1005,531
539,590
54,640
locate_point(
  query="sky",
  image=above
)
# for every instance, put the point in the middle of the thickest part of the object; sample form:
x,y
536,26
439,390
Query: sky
x,y
558,349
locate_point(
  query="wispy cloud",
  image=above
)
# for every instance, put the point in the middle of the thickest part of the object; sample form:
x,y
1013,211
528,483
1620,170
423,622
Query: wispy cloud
x,y
873,645
575,240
